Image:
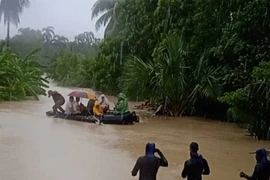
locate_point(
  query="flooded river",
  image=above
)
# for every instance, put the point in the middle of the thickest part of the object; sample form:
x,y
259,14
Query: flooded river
x,y
36,147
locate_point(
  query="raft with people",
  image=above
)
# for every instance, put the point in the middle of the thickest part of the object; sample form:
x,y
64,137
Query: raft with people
x,y
97,110
127,118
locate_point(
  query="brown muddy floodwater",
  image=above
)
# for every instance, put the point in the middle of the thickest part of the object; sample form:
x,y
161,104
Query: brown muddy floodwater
x,y
36,147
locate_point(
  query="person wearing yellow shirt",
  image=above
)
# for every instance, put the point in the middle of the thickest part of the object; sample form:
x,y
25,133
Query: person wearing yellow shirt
x,y
97,109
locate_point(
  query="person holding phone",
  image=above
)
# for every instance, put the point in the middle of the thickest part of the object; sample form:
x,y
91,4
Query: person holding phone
x,y
149,164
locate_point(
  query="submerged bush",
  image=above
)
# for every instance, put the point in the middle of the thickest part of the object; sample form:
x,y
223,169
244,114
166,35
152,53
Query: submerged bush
x,y
19,77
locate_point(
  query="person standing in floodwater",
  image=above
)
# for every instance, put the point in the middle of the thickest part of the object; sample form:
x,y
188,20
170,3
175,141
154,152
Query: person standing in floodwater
x,y
262,167
196,166
58,99
149,163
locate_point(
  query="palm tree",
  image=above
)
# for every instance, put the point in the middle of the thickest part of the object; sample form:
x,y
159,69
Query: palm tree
x,y
80,38
89,37
11,9
86,38
60,39
48,34
107,7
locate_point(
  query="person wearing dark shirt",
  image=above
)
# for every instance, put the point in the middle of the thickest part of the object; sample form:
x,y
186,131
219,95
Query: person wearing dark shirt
x,y
58,99
90,106
262,167
196,166
149,163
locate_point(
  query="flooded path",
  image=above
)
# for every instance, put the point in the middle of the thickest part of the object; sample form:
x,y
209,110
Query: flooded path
x,y
33,146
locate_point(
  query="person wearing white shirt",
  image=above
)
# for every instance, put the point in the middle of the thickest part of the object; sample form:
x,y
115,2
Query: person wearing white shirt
x,y
76,106
69,106
104,102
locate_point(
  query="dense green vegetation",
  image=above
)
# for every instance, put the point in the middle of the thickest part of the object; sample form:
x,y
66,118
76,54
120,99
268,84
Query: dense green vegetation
x,y
20,77
204,57
21,72
70,69
59,57
50,43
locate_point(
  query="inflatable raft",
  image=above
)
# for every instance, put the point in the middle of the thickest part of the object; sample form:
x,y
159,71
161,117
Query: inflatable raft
x,y
127,118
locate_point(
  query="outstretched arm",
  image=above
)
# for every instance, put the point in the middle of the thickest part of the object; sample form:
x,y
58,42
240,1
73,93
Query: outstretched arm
x,y
163,161
254,175
136,168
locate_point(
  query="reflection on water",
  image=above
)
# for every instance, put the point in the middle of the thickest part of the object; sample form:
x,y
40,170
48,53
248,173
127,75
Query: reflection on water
x,y
33,146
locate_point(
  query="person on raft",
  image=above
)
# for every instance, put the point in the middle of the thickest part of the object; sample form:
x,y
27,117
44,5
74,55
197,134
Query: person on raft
x,y
262,167
79,108
121,106
97,109
69,106
90,106
104,102
76,106
58,99
196,166
149,164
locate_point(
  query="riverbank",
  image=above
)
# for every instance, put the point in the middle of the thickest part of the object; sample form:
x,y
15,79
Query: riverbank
x,y
39,147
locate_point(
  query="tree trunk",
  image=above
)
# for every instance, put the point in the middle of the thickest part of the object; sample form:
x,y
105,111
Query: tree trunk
x,y
8,29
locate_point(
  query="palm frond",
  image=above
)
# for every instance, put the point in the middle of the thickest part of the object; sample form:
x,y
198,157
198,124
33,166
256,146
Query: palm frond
x,y
137,77
110,27
101,6
104,19
12,9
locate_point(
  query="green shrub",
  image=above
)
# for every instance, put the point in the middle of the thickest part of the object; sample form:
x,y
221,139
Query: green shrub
x,y
19,77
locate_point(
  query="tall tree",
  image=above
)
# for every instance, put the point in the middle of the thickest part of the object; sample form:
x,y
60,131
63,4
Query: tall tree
x,y
11,10
80,38
87,38
107,8
60,41
48,34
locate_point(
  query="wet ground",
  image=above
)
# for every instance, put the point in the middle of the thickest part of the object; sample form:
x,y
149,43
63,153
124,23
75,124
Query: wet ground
x,y
34,146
